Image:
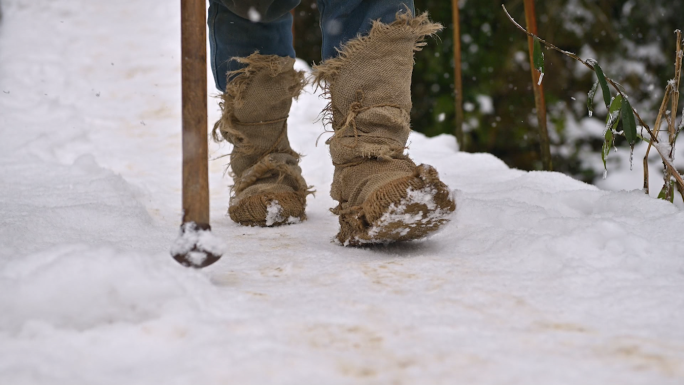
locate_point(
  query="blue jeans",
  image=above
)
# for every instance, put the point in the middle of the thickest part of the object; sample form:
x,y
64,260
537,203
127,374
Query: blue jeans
x,y
238,28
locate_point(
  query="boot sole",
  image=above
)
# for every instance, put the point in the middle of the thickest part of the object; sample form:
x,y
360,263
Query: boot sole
x,y
423,206
268,210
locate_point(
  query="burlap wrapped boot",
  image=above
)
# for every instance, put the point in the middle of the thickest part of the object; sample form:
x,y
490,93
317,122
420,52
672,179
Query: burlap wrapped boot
x,y
268,185
383,196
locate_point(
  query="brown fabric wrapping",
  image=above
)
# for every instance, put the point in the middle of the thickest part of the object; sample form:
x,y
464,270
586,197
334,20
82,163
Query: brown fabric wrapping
x,y
369,88
264,167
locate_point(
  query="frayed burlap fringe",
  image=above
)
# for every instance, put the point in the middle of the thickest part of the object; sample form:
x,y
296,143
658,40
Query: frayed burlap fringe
x,y
419,27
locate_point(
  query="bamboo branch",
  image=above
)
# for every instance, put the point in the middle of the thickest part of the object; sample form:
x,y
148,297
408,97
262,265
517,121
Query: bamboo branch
x,y
586,63
654,137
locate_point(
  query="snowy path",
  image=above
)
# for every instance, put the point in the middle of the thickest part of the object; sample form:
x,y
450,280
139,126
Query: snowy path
x,y
538,279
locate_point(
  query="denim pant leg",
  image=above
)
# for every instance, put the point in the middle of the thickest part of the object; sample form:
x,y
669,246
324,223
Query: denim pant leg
x,y
240,28
342,20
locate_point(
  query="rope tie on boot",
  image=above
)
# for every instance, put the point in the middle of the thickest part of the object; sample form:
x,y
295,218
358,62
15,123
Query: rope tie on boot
x,y
355,109
264,122
388,155
225,131
246,148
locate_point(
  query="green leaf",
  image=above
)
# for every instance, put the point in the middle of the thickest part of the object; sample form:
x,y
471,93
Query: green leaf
x,y
628,122
590,98
607,145
615,104
538,56
604,84
612,121
613,117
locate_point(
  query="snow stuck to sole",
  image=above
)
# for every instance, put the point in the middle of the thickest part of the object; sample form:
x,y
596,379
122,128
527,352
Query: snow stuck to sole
x,y
268,210
274,213
417,211
275,216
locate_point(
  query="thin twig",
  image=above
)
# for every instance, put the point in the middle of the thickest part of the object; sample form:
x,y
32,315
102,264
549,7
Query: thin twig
x,y
672,168
646,182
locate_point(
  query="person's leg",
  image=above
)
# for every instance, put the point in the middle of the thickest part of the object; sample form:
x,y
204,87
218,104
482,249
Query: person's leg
x,y
253,63
382,195
241,28
343,20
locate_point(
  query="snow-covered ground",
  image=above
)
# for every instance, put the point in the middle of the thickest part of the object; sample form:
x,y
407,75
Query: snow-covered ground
x,y
538,278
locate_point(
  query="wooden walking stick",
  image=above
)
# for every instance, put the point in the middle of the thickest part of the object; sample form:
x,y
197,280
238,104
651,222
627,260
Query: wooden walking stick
x,y
194,247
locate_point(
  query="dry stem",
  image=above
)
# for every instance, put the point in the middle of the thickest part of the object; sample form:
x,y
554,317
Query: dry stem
x,y
672,121
656,128
458,82
675,90
539,101
646,184
672,90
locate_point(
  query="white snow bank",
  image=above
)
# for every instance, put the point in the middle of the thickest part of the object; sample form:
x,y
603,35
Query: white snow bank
x,y
79,288
46,204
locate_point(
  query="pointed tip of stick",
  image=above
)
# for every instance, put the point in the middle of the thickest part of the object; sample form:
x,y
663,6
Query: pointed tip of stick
x,y
196,247
197,259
